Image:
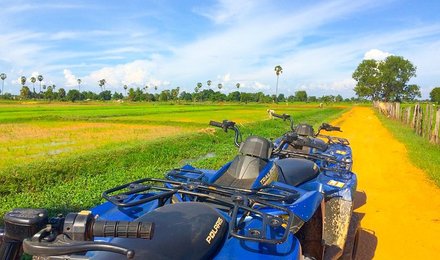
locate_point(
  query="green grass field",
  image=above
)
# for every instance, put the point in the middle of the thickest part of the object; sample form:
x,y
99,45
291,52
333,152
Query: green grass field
x,y
62,156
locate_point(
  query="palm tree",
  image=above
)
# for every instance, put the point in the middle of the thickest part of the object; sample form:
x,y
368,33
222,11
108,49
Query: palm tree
x,y
33,80
23,80
101,84
3,77
220,85
79,84
40,78
278,71
155,88
199,85
237,85
209,82
125,89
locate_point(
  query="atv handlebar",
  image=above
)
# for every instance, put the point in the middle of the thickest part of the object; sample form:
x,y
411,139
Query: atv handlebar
x,y
40,236
103,228
216,124
284,117
328,127
225,125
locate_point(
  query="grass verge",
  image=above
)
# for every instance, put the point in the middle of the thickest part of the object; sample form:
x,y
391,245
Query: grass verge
x,y
422,153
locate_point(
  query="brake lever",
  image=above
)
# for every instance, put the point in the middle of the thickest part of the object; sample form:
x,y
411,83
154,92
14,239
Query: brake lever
x,y
62,245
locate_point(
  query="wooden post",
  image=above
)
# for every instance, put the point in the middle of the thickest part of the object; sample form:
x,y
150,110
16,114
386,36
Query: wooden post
x,y
435,134
429,120
425,121
408,115
413,121
419,128
397,111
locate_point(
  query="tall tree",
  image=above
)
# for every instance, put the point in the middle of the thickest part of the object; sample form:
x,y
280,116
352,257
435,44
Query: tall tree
x,y
278,71
125,89
386,80
220,86
3,77
237,85
435,95
101,84
23,80
40,78
73,95
79,84
199,85
25,92
301,96
209,82
33,80
61,93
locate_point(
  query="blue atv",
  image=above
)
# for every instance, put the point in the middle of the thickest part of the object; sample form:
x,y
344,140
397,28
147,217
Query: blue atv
x,y
305,140
266,203
304,163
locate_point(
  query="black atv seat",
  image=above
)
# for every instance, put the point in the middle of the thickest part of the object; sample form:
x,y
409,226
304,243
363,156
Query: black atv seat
x,y
296,171
187,230
246,167
242,172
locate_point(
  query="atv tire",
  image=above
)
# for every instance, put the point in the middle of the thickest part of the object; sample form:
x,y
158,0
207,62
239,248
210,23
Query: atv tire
x,y
351,243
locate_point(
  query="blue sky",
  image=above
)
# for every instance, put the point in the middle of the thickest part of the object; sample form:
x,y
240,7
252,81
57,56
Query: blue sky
x,y
180,43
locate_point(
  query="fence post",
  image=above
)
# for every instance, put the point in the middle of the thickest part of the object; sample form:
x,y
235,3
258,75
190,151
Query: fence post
x,y
397,111
434,135
408,115
420,121
413,121
429,113
425,120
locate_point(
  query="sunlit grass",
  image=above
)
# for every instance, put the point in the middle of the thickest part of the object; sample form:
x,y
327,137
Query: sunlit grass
x,y
45,131
62,156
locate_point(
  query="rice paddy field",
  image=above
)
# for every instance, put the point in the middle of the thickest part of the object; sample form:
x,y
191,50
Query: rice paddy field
x,y
61,156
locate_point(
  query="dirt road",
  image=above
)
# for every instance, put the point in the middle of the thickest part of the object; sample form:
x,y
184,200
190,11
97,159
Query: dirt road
x,y
399,204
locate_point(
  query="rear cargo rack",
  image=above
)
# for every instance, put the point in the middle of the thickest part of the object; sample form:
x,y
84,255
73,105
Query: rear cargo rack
x,y
271,208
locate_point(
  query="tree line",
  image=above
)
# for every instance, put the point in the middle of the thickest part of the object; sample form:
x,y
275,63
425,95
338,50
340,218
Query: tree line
x,y
53,93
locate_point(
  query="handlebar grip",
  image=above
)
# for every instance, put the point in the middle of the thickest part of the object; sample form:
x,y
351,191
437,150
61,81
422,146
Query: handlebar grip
x,y
127,229
336,128
277,115
216,124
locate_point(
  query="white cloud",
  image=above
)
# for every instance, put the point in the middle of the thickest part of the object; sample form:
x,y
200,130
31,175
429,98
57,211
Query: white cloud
x,y
260,86
134,74
225,78
375,54
226,11
71,80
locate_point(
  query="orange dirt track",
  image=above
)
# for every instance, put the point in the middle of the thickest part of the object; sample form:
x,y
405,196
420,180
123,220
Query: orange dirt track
x,y
399,205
